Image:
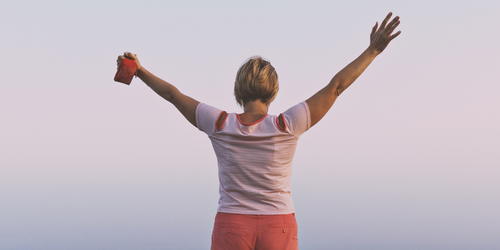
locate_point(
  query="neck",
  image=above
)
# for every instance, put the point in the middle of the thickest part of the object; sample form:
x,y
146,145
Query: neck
x,y
255,107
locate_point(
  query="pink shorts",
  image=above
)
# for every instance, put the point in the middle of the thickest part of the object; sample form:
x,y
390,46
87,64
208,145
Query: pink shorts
x,y
255,232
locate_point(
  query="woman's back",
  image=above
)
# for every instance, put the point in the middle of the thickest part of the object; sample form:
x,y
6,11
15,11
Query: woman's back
x,y
254,160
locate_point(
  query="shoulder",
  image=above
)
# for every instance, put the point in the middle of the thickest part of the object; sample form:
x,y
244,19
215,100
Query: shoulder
x,y
296,119
207,117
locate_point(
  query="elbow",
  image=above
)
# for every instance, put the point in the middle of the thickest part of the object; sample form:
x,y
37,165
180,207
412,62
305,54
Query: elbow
x,y
337,88
167,96
173,96
170,98
338,91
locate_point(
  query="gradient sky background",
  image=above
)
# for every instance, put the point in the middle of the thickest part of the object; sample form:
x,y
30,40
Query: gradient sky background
x,y
408,157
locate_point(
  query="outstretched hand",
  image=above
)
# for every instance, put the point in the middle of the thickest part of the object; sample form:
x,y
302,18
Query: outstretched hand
x,y
129,56
379,39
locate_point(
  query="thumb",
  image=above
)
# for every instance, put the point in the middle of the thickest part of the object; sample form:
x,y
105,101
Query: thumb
x,y
130,56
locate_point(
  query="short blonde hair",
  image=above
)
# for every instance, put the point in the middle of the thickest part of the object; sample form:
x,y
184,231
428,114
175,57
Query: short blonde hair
x,y
256,80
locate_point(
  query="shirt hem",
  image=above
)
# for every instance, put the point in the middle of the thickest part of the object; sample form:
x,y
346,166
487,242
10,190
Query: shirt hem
x,y
255,212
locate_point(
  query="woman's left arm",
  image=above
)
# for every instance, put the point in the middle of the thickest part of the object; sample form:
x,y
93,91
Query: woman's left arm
x,y
322,101
185,104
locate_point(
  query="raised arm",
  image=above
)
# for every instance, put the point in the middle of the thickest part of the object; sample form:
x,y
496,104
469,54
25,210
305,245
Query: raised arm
x,y
185,104
322,101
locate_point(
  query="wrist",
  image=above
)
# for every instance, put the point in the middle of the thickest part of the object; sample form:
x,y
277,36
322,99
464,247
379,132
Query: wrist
x,y
372,51
141,71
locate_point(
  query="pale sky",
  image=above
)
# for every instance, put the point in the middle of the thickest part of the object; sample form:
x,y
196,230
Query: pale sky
x,y
407,158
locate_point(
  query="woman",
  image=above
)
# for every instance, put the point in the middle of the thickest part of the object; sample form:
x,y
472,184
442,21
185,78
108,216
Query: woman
x,y
255,150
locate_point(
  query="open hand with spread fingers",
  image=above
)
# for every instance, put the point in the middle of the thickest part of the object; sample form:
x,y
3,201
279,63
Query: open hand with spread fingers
x,y
381,36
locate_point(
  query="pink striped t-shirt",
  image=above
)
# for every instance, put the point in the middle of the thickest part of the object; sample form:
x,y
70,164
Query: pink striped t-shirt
x,y
255,160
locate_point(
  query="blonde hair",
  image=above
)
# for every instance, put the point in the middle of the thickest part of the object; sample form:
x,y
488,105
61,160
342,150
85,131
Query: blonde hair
x,y
256,80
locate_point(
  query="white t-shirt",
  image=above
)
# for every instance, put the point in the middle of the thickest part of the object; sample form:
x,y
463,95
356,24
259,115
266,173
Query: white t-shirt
x,y
255,160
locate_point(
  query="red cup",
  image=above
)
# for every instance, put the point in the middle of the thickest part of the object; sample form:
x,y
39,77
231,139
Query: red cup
x,y
126,71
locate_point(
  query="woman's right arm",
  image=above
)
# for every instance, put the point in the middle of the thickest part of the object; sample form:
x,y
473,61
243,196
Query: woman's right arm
x,y
185,104
322,101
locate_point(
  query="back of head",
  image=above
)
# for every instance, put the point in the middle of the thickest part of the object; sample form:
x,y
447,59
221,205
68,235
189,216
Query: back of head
x,y
256,80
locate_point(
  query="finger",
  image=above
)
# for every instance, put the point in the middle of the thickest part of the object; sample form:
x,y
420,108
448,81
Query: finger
x,y
374,29
395,35
385,20
119,60
392,28
130,56
393,22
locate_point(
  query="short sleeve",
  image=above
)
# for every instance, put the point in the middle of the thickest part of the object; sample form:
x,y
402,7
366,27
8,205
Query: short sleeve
x,y
298,119
206,117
